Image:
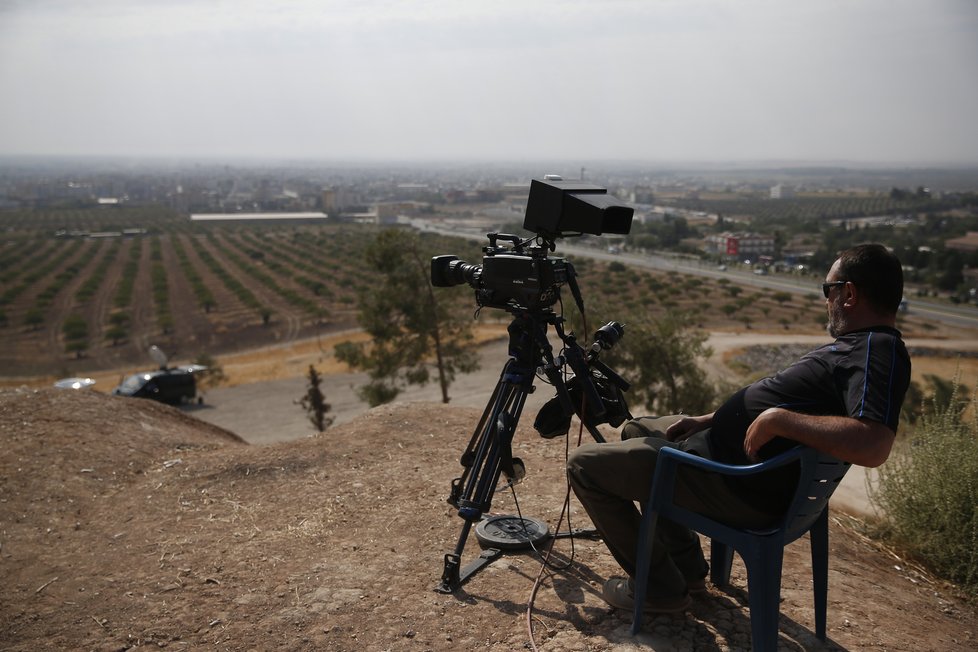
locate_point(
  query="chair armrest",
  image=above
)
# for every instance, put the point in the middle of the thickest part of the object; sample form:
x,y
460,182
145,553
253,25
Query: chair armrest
x,y
674,456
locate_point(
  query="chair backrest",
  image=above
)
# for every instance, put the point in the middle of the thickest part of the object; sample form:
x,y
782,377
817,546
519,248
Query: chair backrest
x,y
819,478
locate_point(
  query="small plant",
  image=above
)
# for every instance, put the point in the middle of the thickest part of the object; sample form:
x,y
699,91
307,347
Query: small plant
x,y
314,403
213,375
928,491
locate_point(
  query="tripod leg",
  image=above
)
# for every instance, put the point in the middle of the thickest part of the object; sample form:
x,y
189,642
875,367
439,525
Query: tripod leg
x,y
490,452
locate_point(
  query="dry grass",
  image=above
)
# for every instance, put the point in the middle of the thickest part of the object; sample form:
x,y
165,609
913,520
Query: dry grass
x,y
267,363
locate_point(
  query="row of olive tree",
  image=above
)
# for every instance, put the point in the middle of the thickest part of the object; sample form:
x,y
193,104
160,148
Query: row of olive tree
x,y
244,295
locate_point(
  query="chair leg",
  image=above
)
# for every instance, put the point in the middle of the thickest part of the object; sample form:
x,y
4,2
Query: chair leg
x,y
764,595
819,539
721,561
646,538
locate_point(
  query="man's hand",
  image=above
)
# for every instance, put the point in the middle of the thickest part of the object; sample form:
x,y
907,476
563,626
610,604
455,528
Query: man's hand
x,y
688,426
859,441
761,431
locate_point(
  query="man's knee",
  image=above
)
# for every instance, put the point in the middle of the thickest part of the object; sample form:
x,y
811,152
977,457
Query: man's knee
x,y
648,426
616,469
580,459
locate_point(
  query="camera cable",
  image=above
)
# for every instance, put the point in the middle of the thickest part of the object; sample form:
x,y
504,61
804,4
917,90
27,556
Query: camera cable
x,y
547,567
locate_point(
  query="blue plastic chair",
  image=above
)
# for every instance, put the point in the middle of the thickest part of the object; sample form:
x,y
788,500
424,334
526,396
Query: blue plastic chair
x,y
761,550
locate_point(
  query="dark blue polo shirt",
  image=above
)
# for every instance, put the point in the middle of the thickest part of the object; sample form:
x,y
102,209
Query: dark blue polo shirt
x,y
863,374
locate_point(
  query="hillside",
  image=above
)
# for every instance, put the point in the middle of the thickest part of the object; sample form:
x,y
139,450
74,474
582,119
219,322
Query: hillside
x,y
130,525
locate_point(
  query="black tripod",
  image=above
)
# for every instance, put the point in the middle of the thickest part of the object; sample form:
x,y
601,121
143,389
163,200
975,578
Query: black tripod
x,y
489,452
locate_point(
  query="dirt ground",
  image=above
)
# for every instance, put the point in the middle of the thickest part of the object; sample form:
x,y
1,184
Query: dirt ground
x,y
130,525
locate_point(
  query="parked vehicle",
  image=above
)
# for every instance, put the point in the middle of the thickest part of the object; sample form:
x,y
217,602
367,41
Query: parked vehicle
x,y
74,383
172,385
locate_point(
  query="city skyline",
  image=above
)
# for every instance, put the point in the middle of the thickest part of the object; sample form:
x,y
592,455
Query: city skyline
x,y
871,82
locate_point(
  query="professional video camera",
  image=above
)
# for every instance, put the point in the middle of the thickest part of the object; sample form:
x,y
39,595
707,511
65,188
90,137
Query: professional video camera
x,y
522,279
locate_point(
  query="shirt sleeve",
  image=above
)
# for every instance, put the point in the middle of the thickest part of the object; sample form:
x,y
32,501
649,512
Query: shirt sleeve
x,y
877,377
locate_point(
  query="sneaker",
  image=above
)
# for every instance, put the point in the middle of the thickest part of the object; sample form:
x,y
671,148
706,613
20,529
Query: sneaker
x,y
618,593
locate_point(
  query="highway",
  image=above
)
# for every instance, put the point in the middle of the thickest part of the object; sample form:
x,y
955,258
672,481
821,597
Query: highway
x,y
965,316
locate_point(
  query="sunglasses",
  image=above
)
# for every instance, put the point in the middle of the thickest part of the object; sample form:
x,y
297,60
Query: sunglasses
x,y
827,287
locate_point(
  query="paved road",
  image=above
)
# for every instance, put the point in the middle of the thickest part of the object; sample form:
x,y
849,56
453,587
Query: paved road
x,y
268,412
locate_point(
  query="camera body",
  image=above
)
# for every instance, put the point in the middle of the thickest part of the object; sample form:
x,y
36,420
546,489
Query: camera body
x,y
523,277
509,279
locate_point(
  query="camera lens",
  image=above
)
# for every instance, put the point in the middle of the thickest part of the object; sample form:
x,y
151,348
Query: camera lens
x,y
448,271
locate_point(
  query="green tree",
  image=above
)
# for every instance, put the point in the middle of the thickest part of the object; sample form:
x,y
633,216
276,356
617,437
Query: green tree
x,y
116,334
660,356
34,318
314,402
75,330
412,327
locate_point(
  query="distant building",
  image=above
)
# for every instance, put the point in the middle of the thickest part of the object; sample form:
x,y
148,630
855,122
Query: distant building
x,y
968,242
329,201
782,191
741,246
337,200
388,212
257,217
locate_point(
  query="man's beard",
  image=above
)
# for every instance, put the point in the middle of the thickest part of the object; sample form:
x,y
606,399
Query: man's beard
x,y
836,323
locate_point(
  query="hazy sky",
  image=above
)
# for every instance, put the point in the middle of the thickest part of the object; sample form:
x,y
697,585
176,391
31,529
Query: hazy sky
x,y
893,81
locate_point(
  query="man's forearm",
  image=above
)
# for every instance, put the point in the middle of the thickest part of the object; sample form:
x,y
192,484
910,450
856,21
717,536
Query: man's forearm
x,y
859,441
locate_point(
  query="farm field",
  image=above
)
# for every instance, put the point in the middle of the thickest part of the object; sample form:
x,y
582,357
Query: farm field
x,y
802,207
83,291
80,294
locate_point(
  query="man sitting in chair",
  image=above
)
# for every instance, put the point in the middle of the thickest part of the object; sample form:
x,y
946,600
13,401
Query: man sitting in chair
x,y
842,399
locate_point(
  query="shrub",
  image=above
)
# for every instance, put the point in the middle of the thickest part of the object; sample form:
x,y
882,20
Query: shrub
x,y
213,375
928,491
